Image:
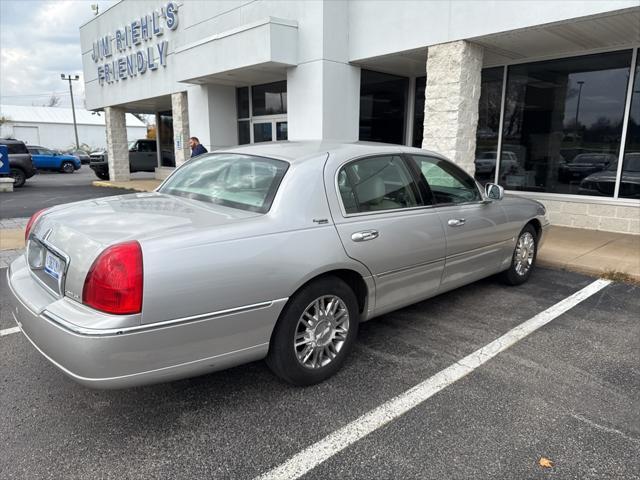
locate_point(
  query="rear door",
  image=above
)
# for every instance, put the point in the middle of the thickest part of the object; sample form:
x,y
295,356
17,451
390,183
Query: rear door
x,y
476,229
40,158
385,223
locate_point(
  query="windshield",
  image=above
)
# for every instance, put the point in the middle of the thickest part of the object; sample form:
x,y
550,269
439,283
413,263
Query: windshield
x,y
132,144
233,180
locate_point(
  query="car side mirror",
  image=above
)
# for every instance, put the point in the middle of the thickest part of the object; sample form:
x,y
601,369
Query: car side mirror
x,y
494,192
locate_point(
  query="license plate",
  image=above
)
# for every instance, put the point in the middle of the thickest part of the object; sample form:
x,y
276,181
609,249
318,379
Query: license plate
x,y
53,266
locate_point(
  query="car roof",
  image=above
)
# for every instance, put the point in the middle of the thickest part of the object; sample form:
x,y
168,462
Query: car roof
x,y
10,140
297,151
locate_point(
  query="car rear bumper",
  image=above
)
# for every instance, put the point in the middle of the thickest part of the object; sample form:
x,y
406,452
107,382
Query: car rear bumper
x,y
126,357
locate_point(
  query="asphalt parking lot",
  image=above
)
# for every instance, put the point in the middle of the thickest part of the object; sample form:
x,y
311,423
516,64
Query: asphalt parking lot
x,y
47,189
568,392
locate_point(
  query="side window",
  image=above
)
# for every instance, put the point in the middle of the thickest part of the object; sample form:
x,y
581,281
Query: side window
x,y
448,183
377,184
146,147
17,148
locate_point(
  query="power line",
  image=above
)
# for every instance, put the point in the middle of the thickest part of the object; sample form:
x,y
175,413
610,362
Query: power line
x,y
36,95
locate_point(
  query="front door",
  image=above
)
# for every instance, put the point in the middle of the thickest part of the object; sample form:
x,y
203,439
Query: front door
x,y
476,229
385,223
271,129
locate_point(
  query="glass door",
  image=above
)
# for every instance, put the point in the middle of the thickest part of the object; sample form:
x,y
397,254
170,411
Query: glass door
x,y
269,129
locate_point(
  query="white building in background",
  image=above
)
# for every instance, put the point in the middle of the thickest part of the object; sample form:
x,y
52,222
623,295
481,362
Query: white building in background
x,y
550,89
52,127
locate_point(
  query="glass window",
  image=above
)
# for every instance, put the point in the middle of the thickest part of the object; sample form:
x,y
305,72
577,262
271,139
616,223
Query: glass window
x,y
15,148
146,146
418,112
448,183
269,99
488,124
630,180
242,102
236,181
563,123
383,99
165,134
281,131
377,183
262,132
244,132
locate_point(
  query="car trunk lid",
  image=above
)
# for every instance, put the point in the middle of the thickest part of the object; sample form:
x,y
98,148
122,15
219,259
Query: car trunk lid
x,y
70,237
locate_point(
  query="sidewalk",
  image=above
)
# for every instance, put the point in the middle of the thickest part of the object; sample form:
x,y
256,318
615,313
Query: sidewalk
x,y
592,252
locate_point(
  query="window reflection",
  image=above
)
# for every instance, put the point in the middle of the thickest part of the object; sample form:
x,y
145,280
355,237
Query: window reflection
x,y
418,112
630,181
563,123
269,99
382,107
489,125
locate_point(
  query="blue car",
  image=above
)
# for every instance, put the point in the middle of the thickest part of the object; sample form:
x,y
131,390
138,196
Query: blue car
x,y
47,159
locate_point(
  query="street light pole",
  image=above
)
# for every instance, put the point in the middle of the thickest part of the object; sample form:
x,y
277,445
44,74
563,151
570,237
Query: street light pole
x,y
73,107
580,83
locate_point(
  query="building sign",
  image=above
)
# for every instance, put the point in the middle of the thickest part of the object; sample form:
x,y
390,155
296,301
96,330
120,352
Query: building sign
x,y
137,47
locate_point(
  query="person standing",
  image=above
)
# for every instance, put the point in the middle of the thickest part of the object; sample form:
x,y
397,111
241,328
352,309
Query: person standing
x,y
196,147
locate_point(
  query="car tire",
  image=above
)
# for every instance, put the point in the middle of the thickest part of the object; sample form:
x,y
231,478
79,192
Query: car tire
x,y
323,335
19,177
102,175
524,257
67,167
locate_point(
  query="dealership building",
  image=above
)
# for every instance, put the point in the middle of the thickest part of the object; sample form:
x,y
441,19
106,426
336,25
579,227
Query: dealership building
x,y
540,97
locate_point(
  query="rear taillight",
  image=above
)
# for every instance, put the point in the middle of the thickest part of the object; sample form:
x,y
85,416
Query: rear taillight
x,y
114,282
32,222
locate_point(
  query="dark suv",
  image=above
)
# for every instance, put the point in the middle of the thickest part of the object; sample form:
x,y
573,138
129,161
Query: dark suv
x,y
143,157
20,161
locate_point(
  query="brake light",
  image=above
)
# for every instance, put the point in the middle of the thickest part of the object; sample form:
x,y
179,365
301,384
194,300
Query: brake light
x,y
31,223
114,282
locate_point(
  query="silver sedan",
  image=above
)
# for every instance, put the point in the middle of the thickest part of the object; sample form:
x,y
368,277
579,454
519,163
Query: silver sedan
x,y
274,251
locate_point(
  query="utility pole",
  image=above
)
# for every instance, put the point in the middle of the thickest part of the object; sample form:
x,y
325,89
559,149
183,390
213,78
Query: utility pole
x,y
73,107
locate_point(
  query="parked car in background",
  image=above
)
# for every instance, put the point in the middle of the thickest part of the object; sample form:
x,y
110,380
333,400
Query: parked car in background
x,y
20,162
603,183
269,250
486,163
47,159
583,165
143,157
81,154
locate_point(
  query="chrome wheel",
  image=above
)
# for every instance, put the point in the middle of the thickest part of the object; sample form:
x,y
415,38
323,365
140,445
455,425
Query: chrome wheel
x,y
525,251
68,167
321,331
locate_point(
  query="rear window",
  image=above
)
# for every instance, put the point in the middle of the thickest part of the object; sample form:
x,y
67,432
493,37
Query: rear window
x,y
238,181
16,148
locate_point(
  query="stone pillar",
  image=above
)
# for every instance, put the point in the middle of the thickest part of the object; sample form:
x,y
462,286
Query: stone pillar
x,y
451,101
117,144
180,111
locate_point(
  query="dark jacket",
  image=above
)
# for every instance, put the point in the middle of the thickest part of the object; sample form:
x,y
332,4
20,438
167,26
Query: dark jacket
x,y
198,150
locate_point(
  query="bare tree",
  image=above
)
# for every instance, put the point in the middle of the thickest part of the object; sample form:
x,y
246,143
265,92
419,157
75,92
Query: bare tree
x,y
54,100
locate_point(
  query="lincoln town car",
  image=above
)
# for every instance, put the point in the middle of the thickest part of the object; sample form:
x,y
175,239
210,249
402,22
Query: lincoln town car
x,y
275,252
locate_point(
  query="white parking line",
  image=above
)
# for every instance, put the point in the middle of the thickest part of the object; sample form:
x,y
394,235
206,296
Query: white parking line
x,y
332,444
9,331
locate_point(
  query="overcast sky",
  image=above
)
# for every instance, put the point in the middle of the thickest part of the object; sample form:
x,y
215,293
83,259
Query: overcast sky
x,y
39,40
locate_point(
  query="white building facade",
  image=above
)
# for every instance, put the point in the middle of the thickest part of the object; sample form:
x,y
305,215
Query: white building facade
x,y
52,127
541,97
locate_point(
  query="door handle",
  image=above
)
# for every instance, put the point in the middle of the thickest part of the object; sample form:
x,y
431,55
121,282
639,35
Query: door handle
x,y
456,222
364,235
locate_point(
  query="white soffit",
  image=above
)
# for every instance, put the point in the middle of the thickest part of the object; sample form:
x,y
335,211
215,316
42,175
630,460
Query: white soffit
x,y
621,29
269,44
